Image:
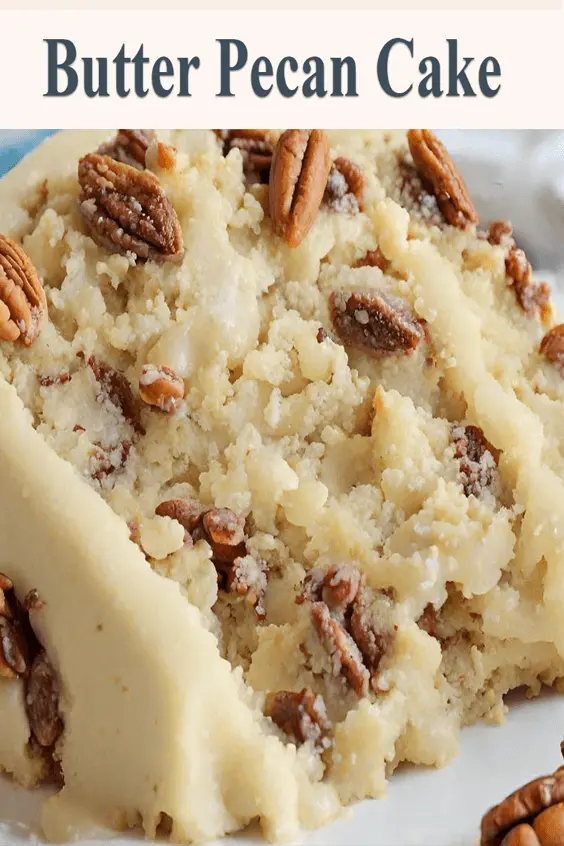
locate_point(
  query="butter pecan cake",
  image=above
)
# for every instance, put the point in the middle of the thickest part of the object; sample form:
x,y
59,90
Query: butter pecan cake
x,y
281,474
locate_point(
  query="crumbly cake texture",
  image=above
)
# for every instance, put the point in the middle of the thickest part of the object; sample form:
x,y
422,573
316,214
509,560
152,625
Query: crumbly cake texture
x,y
292,514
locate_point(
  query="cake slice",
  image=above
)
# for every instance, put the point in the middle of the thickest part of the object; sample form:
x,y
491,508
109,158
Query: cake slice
x,y
281,473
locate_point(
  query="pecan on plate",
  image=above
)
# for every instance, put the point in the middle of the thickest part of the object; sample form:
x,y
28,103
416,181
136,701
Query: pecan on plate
x,y
298,176
552,346
531,816
532,296
22,298
345,187
378,324
256,149
129,146
346,658
160,387
478,460
439,172
42,701
115,387
126,210
300,715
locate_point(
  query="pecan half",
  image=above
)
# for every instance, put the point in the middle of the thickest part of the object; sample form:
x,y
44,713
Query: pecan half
x,y
345,187
22,298
377,324
127,211
478,460
552,346
298,176
532,296
42,701
256,148
129,146
346,659
116,388
161,387
437,169
374,258
300,715
521,816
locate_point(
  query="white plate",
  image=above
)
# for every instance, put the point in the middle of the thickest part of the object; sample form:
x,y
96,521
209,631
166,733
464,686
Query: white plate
x,y
423,807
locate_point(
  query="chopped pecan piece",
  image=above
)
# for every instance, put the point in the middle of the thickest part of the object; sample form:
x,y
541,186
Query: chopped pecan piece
x,y
345,187
225,532
378,324
437,169
166,156
346,659
127,211
521,816
13,649
371,643
129,146
60,379
188,512
552,346
532,296
256,148
159,386
247,577
108,461
336,586
428,621
22,298
321,335
499,231
374,258
300,715
115,387
478,460
42,701
32,601
298,176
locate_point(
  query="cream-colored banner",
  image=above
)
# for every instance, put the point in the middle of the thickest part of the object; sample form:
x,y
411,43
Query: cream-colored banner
x,y
165,5
494,69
